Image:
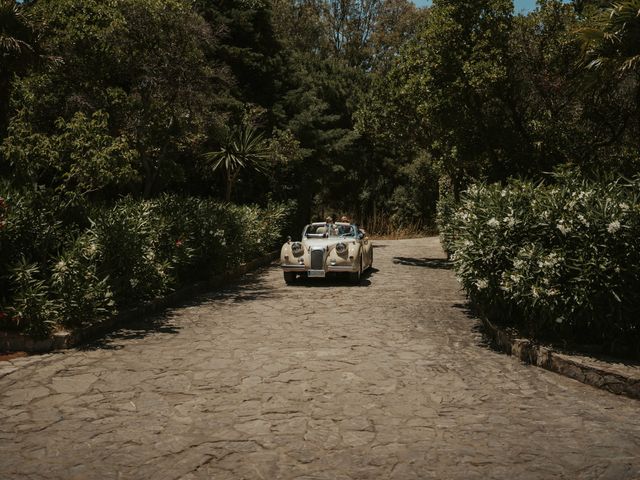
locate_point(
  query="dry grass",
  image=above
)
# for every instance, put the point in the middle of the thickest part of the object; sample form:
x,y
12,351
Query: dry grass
x,y
383,229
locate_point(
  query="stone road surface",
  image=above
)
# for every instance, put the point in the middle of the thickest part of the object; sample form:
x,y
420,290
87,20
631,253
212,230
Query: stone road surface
x,y
320,380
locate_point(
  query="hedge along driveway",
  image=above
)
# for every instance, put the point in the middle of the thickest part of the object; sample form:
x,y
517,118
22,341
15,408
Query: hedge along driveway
x,y
560,262
130,253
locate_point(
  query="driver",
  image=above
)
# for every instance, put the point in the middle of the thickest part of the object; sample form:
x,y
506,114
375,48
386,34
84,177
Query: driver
x,y
344,229
331,227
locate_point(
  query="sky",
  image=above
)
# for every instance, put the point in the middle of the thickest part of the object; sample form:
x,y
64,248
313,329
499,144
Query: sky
x,y
520,5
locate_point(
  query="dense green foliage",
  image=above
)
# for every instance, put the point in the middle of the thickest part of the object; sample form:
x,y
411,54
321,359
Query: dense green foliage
x,y
559,261
53,275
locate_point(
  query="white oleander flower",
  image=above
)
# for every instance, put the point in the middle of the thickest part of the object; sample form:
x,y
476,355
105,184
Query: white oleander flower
x,y
583,220
61,266
460,215
493,222
482,284
550,261
624,206
613,227
509,221
564,229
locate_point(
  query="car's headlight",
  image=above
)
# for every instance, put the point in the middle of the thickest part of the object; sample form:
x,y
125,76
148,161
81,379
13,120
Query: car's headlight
x,y
296,248
341,248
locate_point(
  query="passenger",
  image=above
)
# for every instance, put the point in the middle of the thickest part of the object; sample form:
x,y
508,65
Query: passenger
x,y
344,229
329,228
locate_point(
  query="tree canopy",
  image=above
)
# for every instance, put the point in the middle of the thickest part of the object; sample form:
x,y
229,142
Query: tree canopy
x,y
364,107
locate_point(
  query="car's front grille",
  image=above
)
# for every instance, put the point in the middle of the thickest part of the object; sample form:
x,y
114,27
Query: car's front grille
x,y
317,259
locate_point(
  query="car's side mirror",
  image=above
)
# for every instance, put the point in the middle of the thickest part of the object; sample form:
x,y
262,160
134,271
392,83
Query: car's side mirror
x,y
360,235
289,238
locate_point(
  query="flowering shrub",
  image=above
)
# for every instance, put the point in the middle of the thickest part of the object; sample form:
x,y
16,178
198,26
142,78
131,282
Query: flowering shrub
x,y
31,311
58,274
124,239
81,295
558,261
148,248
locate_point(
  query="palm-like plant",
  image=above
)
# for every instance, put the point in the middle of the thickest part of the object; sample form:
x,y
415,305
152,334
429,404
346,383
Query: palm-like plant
x,y
612,42
244,148
15,30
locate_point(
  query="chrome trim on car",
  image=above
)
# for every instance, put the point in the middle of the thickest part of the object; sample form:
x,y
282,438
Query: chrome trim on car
x,y
296,267
341,268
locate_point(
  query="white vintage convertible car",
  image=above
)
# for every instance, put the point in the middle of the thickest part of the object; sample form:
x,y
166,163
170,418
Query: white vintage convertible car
x,y
327,248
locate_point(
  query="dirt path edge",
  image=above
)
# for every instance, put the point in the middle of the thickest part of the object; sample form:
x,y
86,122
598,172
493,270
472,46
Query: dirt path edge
x,y
620,383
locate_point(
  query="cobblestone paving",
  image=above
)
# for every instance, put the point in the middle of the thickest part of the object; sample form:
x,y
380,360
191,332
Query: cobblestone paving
x,y
320,380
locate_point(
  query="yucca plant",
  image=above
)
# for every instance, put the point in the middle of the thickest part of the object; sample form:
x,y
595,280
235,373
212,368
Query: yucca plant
x,y
244,148
612,41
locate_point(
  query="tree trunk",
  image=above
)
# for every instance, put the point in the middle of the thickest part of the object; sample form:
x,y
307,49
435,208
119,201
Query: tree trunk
x,y
231,180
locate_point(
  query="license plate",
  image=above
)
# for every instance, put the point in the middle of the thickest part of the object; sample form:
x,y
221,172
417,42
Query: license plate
x,y
315,273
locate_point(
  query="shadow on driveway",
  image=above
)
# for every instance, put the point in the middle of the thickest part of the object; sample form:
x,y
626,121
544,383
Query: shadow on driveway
x,y
442,263
252,286
334,280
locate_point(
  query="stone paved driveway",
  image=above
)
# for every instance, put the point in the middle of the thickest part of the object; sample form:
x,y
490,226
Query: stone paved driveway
x,y
321,380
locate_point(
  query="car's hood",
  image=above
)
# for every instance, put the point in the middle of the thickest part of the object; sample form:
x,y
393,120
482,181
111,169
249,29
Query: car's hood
x,y
322,242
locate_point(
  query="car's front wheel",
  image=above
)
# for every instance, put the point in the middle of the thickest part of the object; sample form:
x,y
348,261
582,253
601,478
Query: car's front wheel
x,y
289,277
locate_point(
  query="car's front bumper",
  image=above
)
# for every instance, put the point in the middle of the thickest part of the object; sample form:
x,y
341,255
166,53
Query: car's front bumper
x,y
330,268
293,268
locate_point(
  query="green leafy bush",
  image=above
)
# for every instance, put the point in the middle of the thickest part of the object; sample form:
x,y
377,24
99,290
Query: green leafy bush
x,y
135,250
559,261
124,237
30,234
80,294
32,311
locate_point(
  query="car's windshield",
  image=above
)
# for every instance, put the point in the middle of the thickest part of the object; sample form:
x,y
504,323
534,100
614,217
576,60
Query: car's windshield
x,y
318,230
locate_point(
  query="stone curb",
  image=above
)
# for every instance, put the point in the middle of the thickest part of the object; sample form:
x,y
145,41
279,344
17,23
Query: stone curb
x,y
13,342
563,364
